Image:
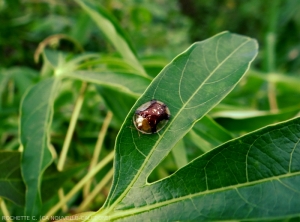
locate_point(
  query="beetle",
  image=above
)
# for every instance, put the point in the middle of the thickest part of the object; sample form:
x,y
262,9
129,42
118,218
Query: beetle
x,y
151,117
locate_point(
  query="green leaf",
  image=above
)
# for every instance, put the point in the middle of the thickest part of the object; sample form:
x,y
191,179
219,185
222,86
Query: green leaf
x,y
35,122
12,186
212,132
113,32
119,105
254,177
250,92
72,65
193,83
23,77
129,83
4,77
82,30
110,63
193,139
278,78
207,134
59,62
249,120
54,179
179,154
54,58
154,64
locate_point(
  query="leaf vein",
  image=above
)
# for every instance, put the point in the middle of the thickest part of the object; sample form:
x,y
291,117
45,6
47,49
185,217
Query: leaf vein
x,y
291,155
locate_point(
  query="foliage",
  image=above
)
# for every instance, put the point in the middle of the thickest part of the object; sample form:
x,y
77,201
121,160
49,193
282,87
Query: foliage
x,y
216,159
266,21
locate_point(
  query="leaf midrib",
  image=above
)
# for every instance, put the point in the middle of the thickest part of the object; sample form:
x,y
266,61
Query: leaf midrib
x,y
168,126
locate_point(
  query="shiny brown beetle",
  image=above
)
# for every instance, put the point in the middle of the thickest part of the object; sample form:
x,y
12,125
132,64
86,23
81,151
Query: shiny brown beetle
x,y
151,117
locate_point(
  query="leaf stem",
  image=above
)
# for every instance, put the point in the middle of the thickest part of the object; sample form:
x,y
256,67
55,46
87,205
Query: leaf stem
x,y
66,145
96,190
270,43
272,97
97,150
80,184
74,117
270,54
11,89
5,210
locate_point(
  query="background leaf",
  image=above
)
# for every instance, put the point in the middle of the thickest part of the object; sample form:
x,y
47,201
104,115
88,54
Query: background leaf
x,y
12,186
122,81
120,105
35,122
54,179
212,132
179,154
191,85
159,31
248,120
113,32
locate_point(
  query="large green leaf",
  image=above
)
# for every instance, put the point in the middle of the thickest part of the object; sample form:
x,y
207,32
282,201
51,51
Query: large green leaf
x,y
35,122
11,183
190,85
254,177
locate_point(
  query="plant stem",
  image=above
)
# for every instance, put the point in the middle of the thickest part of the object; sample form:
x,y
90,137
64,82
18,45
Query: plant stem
x,y
66,145
74,117
80,184
61,196
270,43
11,93
270,55
272,97
97,150
4,210
96,190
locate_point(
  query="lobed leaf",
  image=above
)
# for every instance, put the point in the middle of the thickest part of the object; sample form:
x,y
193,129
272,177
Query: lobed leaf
x,y
190,85
254,177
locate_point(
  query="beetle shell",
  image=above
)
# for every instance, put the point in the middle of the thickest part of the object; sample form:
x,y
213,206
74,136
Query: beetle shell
x,y
151,117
